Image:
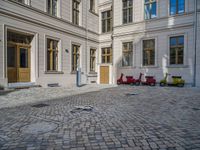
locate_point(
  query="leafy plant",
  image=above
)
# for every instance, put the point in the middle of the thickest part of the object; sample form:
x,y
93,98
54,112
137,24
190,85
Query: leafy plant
x,y
1,87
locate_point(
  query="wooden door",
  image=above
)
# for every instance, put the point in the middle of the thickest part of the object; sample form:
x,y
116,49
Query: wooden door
x,y
104,75
23,67
12,63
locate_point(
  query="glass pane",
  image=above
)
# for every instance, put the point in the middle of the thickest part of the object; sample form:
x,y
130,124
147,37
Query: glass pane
x,y
23,58
125,16
54,60
11,56
173,41
181,40
153,11
172,56
48,60
54,7
147,11
181,6
180,56
103,59
172,7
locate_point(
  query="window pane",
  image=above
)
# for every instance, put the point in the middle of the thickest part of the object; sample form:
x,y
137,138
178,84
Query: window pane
x,y
172,7
181,6
54,7
23,58
147,11
11,56
181,40
173,41
180,56
153,11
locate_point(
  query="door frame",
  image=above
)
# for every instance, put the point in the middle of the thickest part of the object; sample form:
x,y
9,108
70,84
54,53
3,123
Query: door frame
x,y
17,55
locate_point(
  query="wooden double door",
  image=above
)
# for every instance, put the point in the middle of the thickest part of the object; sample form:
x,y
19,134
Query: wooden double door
x,y
18,62
104,74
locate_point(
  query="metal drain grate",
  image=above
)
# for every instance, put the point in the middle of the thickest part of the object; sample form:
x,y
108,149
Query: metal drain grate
x,y
79,109
40,105
131,94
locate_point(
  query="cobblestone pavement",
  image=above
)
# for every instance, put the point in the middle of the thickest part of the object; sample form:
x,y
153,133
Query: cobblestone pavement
x,y
32,95
124,117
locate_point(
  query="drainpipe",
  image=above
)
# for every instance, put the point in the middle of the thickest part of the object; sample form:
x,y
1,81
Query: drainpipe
x,y
86,43
195,45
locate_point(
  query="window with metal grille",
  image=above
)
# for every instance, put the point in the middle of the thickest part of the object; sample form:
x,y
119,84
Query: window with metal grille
x,y
92,60
75,12
75,57
149,52
52,55
177,50
127,11
177,7
106,55
106,21
150,9
127,56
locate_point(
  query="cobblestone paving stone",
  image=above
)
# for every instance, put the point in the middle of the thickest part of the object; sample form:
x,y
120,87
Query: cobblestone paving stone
x,y
125,117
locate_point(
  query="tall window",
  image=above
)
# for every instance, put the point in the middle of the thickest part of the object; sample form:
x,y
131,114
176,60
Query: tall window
x,y
75,57
150,9
106,55
177,50
52,55
177,7
92,5
127,11
106,21
92,60
149,52
75,12
127,57
52,6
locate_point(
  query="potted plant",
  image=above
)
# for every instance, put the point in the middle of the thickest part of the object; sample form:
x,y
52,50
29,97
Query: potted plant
x,y
1,87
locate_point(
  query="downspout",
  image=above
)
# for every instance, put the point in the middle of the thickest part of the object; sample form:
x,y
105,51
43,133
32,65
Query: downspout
x,y
195,45
86,44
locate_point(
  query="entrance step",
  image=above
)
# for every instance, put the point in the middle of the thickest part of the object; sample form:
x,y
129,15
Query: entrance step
x,y
22,85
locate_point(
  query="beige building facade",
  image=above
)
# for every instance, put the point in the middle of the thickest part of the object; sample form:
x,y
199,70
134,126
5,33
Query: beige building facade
x,y
44,41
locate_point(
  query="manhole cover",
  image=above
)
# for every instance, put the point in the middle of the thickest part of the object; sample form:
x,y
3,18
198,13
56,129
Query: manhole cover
x,y
195,109
82,108
131,94
39,128
40,105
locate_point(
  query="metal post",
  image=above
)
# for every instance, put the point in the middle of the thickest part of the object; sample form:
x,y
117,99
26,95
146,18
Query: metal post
x,y
78,77
195,45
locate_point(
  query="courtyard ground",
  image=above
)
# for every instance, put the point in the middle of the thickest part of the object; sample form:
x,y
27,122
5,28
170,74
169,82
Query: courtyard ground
x,y
124,117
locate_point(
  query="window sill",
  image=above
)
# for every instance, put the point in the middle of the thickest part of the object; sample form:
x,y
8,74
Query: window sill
x,y
104,33
92,72
54,72
93,12
127,67
176,15
149,67
177,66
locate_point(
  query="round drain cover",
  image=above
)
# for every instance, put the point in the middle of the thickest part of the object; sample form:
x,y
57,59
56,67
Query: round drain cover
x,y
39,128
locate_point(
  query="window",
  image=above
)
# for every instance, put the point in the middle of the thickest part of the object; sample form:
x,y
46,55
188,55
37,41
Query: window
x,y
75,12
52,6
52,55
127,11
149,52
106,55
92,5
92,60
177,7
150,8
106,21
20,1
176,50
127,54
75,57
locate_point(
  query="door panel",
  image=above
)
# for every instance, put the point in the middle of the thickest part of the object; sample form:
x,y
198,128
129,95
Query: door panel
x,y
12,63
23,64
104,75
